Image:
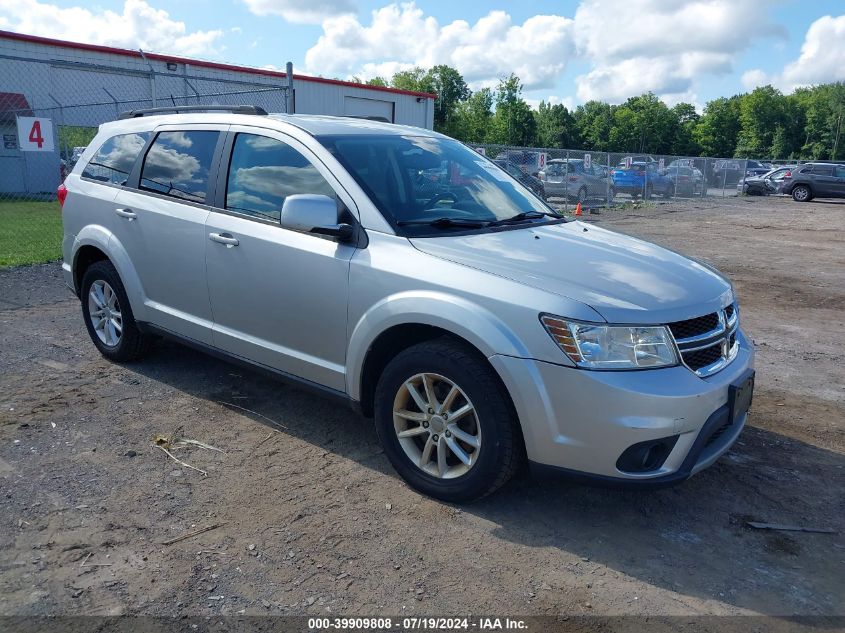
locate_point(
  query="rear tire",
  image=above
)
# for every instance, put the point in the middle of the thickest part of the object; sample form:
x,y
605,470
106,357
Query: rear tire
x,y
108,315
801,193
489,435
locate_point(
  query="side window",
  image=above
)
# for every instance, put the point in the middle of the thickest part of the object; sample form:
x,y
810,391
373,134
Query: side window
x,y
115,159
840,172
177,164
823,170
264,171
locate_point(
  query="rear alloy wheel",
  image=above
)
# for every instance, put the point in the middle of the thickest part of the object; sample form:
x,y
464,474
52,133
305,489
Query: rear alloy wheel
x,y
445,422
801,193
108,315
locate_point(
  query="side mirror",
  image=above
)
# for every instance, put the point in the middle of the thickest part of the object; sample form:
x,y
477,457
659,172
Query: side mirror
x,y
314,213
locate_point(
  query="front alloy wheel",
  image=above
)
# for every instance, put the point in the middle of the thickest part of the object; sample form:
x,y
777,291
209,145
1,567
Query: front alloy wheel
x,y
436,425
433,403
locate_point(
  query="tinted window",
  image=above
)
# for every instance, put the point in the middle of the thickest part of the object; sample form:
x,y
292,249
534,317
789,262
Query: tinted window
x,y
178,163
115,159
392,169
840,172
823,170
264,172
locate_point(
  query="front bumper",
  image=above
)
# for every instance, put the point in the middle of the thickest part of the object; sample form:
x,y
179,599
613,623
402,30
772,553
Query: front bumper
x,y
582,421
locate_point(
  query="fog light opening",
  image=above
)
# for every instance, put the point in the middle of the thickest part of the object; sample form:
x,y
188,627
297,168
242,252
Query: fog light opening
x,y
646,456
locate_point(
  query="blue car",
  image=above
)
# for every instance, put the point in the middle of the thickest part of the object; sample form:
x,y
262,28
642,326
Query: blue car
x,y
642,179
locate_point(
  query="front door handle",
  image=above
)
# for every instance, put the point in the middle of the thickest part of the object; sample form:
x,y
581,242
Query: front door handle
x,y
129,214
224,238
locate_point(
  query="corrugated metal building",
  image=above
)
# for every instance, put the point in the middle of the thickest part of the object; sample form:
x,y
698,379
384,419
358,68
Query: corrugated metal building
x,y
80,86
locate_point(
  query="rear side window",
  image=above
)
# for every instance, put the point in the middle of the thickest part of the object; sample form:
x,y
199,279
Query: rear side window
x,y
265,171
840,172
823,170
178,164
115,159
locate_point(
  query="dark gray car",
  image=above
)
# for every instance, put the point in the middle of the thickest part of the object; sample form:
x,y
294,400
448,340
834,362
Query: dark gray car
x,y
815,180
569,178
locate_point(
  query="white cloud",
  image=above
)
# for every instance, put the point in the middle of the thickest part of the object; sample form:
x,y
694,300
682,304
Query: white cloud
x,y
536,50
753,78
138,26
301,11
662,45
822,59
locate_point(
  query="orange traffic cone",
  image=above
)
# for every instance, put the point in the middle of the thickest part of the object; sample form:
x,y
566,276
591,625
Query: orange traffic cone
x,y
578,209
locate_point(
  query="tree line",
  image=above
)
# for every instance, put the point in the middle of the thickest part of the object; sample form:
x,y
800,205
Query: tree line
x,y
764,123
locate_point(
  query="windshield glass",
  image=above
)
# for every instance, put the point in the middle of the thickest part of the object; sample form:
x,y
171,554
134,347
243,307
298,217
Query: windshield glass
x,y
416,180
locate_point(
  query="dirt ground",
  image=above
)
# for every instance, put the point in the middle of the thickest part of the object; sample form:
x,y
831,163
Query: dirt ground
x,y
314,521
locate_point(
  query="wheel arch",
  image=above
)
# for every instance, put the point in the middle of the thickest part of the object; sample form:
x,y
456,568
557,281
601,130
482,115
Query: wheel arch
x,y
398,322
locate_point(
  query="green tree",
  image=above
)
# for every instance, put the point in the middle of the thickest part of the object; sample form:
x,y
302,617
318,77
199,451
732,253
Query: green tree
x,y
643,124
593,122
414,79
513,122
763,112
451,89
473,117
717,131
555,126
684,143
378,81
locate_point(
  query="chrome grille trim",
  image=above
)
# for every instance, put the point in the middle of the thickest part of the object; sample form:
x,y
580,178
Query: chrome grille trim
x,y
722,339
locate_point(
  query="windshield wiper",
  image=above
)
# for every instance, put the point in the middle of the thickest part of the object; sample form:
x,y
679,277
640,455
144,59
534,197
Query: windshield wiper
x,y
446,223
525,215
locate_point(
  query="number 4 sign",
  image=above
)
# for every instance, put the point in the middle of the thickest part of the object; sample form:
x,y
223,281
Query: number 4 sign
x,y
35,135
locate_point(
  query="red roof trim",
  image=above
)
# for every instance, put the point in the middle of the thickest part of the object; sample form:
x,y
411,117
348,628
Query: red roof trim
x,y
35,39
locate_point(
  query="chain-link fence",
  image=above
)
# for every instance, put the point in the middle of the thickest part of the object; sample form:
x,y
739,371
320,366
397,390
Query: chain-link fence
x,y
565,177
49,112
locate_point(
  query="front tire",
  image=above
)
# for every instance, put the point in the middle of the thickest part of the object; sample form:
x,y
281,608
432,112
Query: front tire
x,y
108,315
801,193
445,422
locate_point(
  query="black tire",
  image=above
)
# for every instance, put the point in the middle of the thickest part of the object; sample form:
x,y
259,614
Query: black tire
x,y
649,191
802,193
501,451
582,195
133,343
669,193
611,194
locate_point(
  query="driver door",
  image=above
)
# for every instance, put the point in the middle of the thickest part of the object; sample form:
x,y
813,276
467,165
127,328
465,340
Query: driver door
x,y
278,296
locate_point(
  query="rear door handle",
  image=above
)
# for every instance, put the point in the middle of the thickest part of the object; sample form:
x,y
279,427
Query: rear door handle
x,y
224,238
129,214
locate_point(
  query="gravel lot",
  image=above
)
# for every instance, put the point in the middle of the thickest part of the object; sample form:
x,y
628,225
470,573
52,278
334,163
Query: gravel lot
x,y
316,522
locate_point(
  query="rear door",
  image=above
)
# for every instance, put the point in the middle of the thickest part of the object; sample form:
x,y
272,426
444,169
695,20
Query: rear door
x,y
824,181
161,225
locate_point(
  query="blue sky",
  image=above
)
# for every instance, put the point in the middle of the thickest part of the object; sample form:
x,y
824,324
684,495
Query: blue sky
x,y
569,51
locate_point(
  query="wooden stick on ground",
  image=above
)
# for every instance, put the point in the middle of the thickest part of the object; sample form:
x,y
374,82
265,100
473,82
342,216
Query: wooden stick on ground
x,y
194,533
260,415
179,461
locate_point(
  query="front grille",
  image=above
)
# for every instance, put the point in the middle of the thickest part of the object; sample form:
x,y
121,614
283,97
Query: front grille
x,y
694,327
703,357
706,343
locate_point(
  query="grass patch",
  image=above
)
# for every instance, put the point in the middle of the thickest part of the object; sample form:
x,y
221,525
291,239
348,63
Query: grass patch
x,y
30,232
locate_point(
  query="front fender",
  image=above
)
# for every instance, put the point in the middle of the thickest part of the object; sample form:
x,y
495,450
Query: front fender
x,y
475,324
104,240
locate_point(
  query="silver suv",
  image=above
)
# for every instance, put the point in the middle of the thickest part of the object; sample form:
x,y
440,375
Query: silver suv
x,y
476,326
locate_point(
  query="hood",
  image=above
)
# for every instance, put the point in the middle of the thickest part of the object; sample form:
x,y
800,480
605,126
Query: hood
x,y
624,279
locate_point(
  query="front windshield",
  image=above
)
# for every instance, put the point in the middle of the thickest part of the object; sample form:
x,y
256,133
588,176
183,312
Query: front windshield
x,y
417,180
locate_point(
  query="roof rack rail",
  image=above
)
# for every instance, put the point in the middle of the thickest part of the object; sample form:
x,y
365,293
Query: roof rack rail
x,y
238,109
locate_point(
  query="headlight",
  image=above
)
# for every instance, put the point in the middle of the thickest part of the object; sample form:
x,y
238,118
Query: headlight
x,y
593,346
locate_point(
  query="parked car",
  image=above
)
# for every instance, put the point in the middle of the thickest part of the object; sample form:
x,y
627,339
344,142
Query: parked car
x,y
476,327
815,180
534,184
768,183
729,172
569,178
687,182
642,179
